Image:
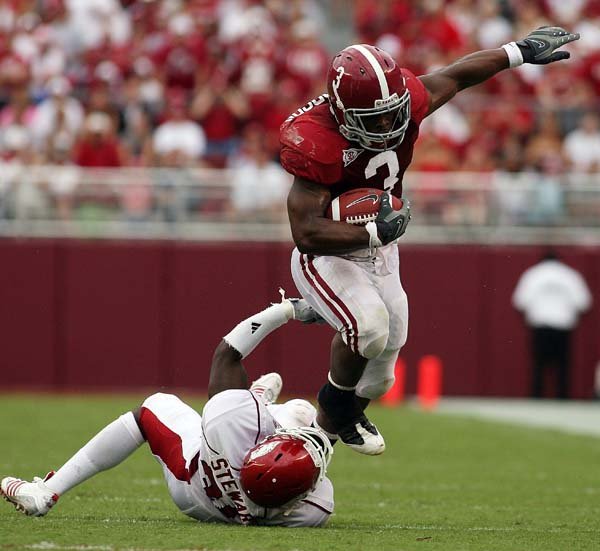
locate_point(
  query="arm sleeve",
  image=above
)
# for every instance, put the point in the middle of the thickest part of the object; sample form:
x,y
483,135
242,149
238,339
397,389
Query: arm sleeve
x,y
306,516
312,511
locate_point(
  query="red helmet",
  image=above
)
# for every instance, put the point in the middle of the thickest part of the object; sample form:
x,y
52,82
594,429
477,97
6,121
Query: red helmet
x,y
285,466
368,97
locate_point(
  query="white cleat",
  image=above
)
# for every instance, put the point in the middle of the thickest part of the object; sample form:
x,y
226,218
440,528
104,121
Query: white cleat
x,y
31,498
268,387
363,437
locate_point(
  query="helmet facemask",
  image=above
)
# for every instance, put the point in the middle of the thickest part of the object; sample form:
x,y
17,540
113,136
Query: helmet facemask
x,y
359,123
316,444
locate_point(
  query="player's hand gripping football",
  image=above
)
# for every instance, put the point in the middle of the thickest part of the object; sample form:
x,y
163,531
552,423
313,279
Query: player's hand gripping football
x,y
391,224
539,46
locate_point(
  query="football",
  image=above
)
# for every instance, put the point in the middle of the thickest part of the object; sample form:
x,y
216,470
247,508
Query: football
x,y
358,206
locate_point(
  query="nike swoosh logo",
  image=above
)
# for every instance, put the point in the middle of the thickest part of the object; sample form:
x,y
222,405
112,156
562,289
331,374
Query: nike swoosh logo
x,y
370,197
540,43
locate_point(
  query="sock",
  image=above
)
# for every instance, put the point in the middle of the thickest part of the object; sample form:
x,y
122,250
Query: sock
x,y
248,334
339,403
333,438
108,448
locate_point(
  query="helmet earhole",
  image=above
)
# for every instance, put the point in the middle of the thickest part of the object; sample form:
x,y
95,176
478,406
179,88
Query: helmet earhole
x,y
362,71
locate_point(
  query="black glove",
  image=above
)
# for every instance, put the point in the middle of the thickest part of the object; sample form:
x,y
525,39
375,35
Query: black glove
x,y
538,46
391,224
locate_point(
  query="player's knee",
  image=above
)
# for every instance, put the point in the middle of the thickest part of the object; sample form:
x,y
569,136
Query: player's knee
x,y
372,342
147,405
153,398
375,390
374,334
296,413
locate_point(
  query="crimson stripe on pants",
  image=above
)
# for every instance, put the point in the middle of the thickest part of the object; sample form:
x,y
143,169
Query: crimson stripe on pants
x,y
323,297
167,445
331,299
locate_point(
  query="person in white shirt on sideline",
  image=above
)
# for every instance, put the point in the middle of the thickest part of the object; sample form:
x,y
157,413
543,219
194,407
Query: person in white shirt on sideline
x,y
551,296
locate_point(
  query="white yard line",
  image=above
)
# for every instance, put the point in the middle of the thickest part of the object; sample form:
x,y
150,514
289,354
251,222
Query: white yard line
x,y
573,417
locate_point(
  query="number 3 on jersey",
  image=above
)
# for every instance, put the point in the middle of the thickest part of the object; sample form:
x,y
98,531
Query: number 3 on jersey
x,y
388,158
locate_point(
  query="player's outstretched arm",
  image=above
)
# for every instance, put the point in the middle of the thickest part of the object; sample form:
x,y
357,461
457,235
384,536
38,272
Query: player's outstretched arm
x,y
539,47
227,370
312,231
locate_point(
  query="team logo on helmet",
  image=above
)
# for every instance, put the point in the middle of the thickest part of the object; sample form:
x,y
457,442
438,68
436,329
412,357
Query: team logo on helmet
x,y
266,448
336,86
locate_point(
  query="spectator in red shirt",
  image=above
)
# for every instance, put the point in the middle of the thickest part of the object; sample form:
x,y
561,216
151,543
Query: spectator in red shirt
x,y
373,18
221,110
437,29
98,146
306,60
184,54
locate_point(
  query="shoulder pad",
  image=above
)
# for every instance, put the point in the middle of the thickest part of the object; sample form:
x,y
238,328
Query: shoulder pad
x,y
312,148
419,97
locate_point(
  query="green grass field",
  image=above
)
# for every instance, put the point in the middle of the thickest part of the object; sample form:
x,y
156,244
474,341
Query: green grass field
x,y
445,483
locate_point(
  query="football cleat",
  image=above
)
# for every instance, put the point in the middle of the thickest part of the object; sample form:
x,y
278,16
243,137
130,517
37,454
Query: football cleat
x,y
31,498
363,437
267,387
302,311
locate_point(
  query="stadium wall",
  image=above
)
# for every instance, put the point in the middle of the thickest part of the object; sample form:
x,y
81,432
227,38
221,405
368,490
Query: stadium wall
x,y
125,315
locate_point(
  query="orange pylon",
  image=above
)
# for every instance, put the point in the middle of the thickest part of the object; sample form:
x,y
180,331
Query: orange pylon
x,y
395,395
429,385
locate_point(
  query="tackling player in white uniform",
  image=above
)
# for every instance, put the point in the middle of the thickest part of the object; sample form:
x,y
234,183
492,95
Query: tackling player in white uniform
x,y
245,460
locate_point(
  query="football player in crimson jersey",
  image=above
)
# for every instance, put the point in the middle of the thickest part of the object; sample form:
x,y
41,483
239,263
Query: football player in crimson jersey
x,y
245,460
362,134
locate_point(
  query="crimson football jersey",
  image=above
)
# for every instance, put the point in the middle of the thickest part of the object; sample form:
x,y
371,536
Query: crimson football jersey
x,y
313,148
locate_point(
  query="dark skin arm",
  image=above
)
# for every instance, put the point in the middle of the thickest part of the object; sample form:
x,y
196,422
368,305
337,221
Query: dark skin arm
x,y
468,71
226,370
313,233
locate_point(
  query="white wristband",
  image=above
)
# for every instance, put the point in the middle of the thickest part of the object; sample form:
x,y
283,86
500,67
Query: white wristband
x,y
374,240
515,57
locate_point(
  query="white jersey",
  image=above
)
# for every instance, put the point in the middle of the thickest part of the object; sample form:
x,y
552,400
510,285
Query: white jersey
x,y
202,456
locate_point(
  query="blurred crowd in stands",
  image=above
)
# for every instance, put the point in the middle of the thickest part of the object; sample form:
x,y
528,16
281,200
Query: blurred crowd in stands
x,y
206,83
534,117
